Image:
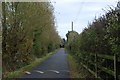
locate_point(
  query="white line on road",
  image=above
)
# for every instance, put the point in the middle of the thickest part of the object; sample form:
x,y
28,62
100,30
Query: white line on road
x,y
39,71
54,71
27,72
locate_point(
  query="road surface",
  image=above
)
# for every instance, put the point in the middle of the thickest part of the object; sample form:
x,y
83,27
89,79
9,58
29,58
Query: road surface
x,y
55,66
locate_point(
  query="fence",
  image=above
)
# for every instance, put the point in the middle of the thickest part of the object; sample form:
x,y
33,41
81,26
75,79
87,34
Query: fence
x,y
96,60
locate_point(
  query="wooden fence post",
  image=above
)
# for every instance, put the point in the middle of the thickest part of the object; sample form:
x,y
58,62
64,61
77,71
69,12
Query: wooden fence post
x,y
115,67
96,75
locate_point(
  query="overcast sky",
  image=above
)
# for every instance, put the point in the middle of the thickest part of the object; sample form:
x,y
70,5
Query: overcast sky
x,y
80,12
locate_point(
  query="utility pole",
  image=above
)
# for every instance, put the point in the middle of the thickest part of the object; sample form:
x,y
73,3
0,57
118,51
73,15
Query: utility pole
x,y
72,26
72,32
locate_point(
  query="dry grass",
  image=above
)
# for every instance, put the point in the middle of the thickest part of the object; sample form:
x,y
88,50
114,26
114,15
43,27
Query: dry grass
x,y
76,71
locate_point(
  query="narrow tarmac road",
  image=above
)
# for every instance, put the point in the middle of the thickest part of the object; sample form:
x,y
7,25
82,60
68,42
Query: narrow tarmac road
x,y
55,66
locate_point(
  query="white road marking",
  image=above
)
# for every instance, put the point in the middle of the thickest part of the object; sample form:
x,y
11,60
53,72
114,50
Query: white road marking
x,y
54,71
39,71
27,72
51,71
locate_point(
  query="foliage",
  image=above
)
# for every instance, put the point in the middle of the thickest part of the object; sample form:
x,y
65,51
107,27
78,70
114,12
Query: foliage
x,y
75,70
27,30
101,37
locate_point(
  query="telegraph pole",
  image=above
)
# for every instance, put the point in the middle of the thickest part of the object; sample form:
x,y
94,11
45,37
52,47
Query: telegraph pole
x,y
72,25
72,32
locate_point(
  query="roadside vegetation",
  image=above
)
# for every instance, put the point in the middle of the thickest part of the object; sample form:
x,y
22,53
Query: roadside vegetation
x,y
76,71
28,32
97,48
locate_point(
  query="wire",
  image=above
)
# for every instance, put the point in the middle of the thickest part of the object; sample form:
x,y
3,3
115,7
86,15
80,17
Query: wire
x,y
80,9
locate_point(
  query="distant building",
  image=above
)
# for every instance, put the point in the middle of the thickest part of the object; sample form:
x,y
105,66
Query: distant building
x,y
71,35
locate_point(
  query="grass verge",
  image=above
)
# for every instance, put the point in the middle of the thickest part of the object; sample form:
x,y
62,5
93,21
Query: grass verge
x,y
20,72
76,70
73,67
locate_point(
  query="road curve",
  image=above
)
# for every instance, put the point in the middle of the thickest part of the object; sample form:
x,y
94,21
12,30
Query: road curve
x,y
55,66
